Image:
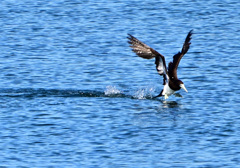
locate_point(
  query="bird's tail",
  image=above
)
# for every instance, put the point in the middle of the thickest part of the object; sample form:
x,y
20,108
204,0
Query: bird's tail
x,y
159,95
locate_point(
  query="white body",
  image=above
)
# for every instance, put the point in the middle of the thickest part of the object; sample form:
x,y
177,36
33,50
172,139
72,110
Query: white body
x,y
167,91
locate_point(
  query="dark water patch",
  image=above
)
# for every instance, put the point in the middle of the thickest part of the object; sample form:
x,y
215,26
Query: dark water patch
x,y
170,104
34,93
31,93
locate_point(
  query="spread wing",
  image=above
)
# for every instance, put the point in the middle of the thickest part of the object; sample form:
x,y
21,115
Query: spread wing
x,y
146,52
141,49
172,66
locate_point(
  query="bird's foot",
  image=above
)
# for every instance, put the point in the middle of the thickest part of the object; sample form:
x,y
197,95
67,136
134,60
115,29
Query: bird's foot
x,y
166,96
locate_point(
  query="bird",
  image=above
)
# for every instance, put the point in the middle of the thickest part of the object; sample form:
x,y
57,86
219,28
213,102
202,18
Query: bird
x,y
170,79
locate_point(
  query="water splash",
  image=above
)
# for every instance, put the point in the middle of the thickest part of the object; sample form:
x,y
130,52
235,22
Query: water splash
x,y
144,93
111,90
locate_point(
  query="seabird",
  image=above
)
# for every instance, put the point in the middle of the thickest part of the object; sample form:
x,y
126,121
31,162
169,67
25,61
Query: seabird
x,y
170,80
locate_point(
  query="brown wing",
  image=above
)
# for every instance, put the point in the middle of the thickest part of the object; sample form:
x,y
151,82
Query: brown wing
x,y
146,52
172,66
141,49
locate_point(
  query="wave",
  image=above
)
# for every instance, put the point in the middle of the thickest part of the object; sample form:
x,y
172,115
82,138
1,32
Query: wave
x,y
110,91
49,93
30,93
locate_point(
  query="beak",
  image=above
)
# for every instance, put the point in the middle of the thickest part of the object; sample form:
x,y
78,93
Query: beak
x,y
183,87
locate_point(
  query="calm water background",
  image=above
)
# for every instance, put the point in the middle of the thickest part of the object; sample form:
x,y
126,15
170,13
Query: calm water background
x,y
72,94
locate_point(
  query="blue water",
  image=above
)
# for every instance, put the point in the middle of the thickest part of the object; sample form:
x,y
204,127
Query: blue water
x,y
72,94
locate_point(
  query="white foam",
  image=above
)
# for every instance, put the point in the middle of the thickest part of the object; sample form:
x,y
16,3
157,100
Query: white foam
x,y
144,93
111,90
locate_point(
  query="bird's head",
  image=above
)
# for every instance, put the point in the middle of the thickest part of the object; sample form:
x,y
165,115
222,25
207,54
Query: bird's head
x,y
181,85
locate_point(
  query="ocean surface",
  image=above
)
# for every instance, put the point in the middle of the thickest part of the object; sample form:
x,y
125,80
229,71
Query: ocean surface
x,y
73,94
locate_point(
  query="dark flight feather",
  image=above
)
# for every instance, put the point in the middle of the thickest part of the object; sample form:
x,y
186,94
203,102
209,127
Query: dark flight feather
x,y
172,66
146,52
141,49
